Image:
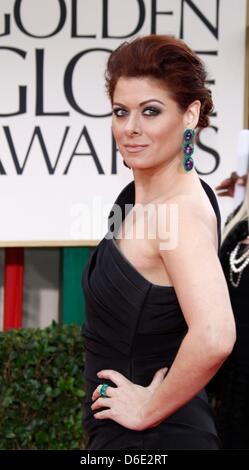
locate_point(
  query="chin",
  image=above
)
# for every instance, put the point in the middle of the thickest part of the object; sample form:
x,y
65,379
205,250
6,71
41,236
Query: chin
x,y
137,163
140,166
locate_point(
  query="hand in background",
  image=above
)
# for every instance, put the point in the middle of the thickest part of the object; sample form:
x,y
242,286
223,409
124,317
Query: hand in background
x,y
227,186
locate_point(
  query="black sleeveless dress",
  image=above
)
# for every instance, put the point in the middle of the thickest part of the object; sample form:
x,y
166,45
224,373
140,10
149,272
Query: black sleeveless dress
x,y
136,328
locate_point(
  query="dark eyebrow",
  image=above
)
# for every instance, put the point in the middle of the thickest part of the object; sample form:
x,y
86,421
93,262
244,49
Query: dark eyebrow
x,y
152,99
143,102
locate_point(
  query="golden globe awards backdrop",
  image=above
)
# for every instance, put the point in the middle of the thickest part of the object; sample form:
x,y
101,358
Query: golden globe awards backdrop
x,y
60,170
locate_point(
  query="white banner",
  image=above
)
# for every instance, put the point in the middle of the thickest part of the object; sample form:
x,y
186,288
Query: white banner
x,y
59,168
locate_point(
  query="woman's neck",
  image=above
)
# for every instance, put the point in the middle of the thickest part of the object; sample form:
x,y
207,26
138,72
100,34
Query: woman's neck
x,y
162,183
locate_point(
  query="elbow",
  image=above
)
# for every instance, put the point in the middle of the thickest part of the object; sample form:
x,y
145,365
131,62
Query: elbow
x,y
226,346
217,343
223,343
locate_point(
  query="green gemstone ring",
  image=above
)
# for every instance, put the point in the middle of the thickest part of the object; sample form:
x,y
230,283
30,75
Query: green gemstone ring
x,y
102,390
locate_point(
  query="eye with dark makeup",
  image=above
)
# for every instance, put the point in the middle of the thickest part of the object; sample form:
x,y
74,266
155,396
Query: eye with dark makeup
x,y
119,112
151,111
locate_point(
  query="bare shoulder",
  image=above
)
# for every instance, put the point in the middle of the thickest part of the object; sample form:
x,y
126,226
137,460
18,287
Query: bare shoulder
x,y
193,265
191,219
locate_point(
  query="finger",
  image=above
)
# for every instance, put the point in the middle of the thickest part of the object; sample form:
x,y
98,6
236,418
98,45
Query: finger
x,y
96,393
114,376
101,403
105,414
109,392
158,377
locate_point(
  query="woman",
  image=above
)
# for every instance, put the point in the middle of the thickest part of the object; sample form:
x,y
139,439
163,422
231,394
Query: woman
x,y
232,381
159,321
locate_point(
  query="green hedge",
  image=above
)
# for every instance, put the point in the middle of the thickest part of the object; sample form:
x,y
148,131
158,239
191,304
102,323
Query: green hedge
x,y
41,388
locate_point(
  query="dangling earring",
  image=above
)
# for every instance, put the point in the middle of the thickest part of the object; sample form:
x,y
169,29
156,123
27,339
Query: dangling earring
x,y
188,149
125,164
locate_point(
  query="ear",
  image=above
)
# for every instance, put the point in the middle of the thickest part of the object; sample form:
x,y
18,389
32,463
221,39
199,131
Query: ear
x,y
191,115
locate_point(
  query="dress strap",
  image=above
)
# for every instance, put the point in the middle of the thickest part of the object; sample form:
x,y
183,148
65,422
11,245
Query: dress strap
x,y
212,198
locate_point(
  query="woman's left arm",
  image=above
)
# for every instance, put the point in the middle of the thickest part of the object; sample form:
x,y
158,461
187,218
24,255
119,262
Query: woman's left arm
x,y
196,274
202,292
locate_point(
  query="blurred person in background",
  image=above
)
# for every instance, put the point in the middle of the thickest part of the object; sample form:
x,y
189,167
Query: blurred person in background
x,y
231,384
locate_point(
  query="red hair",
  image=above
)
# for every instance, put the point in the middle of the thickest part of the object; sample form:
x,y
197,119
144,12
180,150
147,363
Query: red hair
x,y
166,59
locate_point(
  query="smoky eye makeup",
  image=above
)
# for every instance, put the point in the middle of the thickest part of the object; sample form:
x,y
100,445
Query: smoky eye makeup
x,y
148,110
152,111
119,112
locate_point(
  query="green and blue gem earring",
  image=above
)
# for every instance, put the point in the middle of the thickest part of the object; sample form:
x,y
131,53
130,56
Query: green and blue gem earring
x,y
188,149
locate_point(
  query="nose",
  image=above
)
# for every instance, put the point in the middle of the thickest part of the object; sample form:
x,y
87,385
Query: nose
x,y
133,125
